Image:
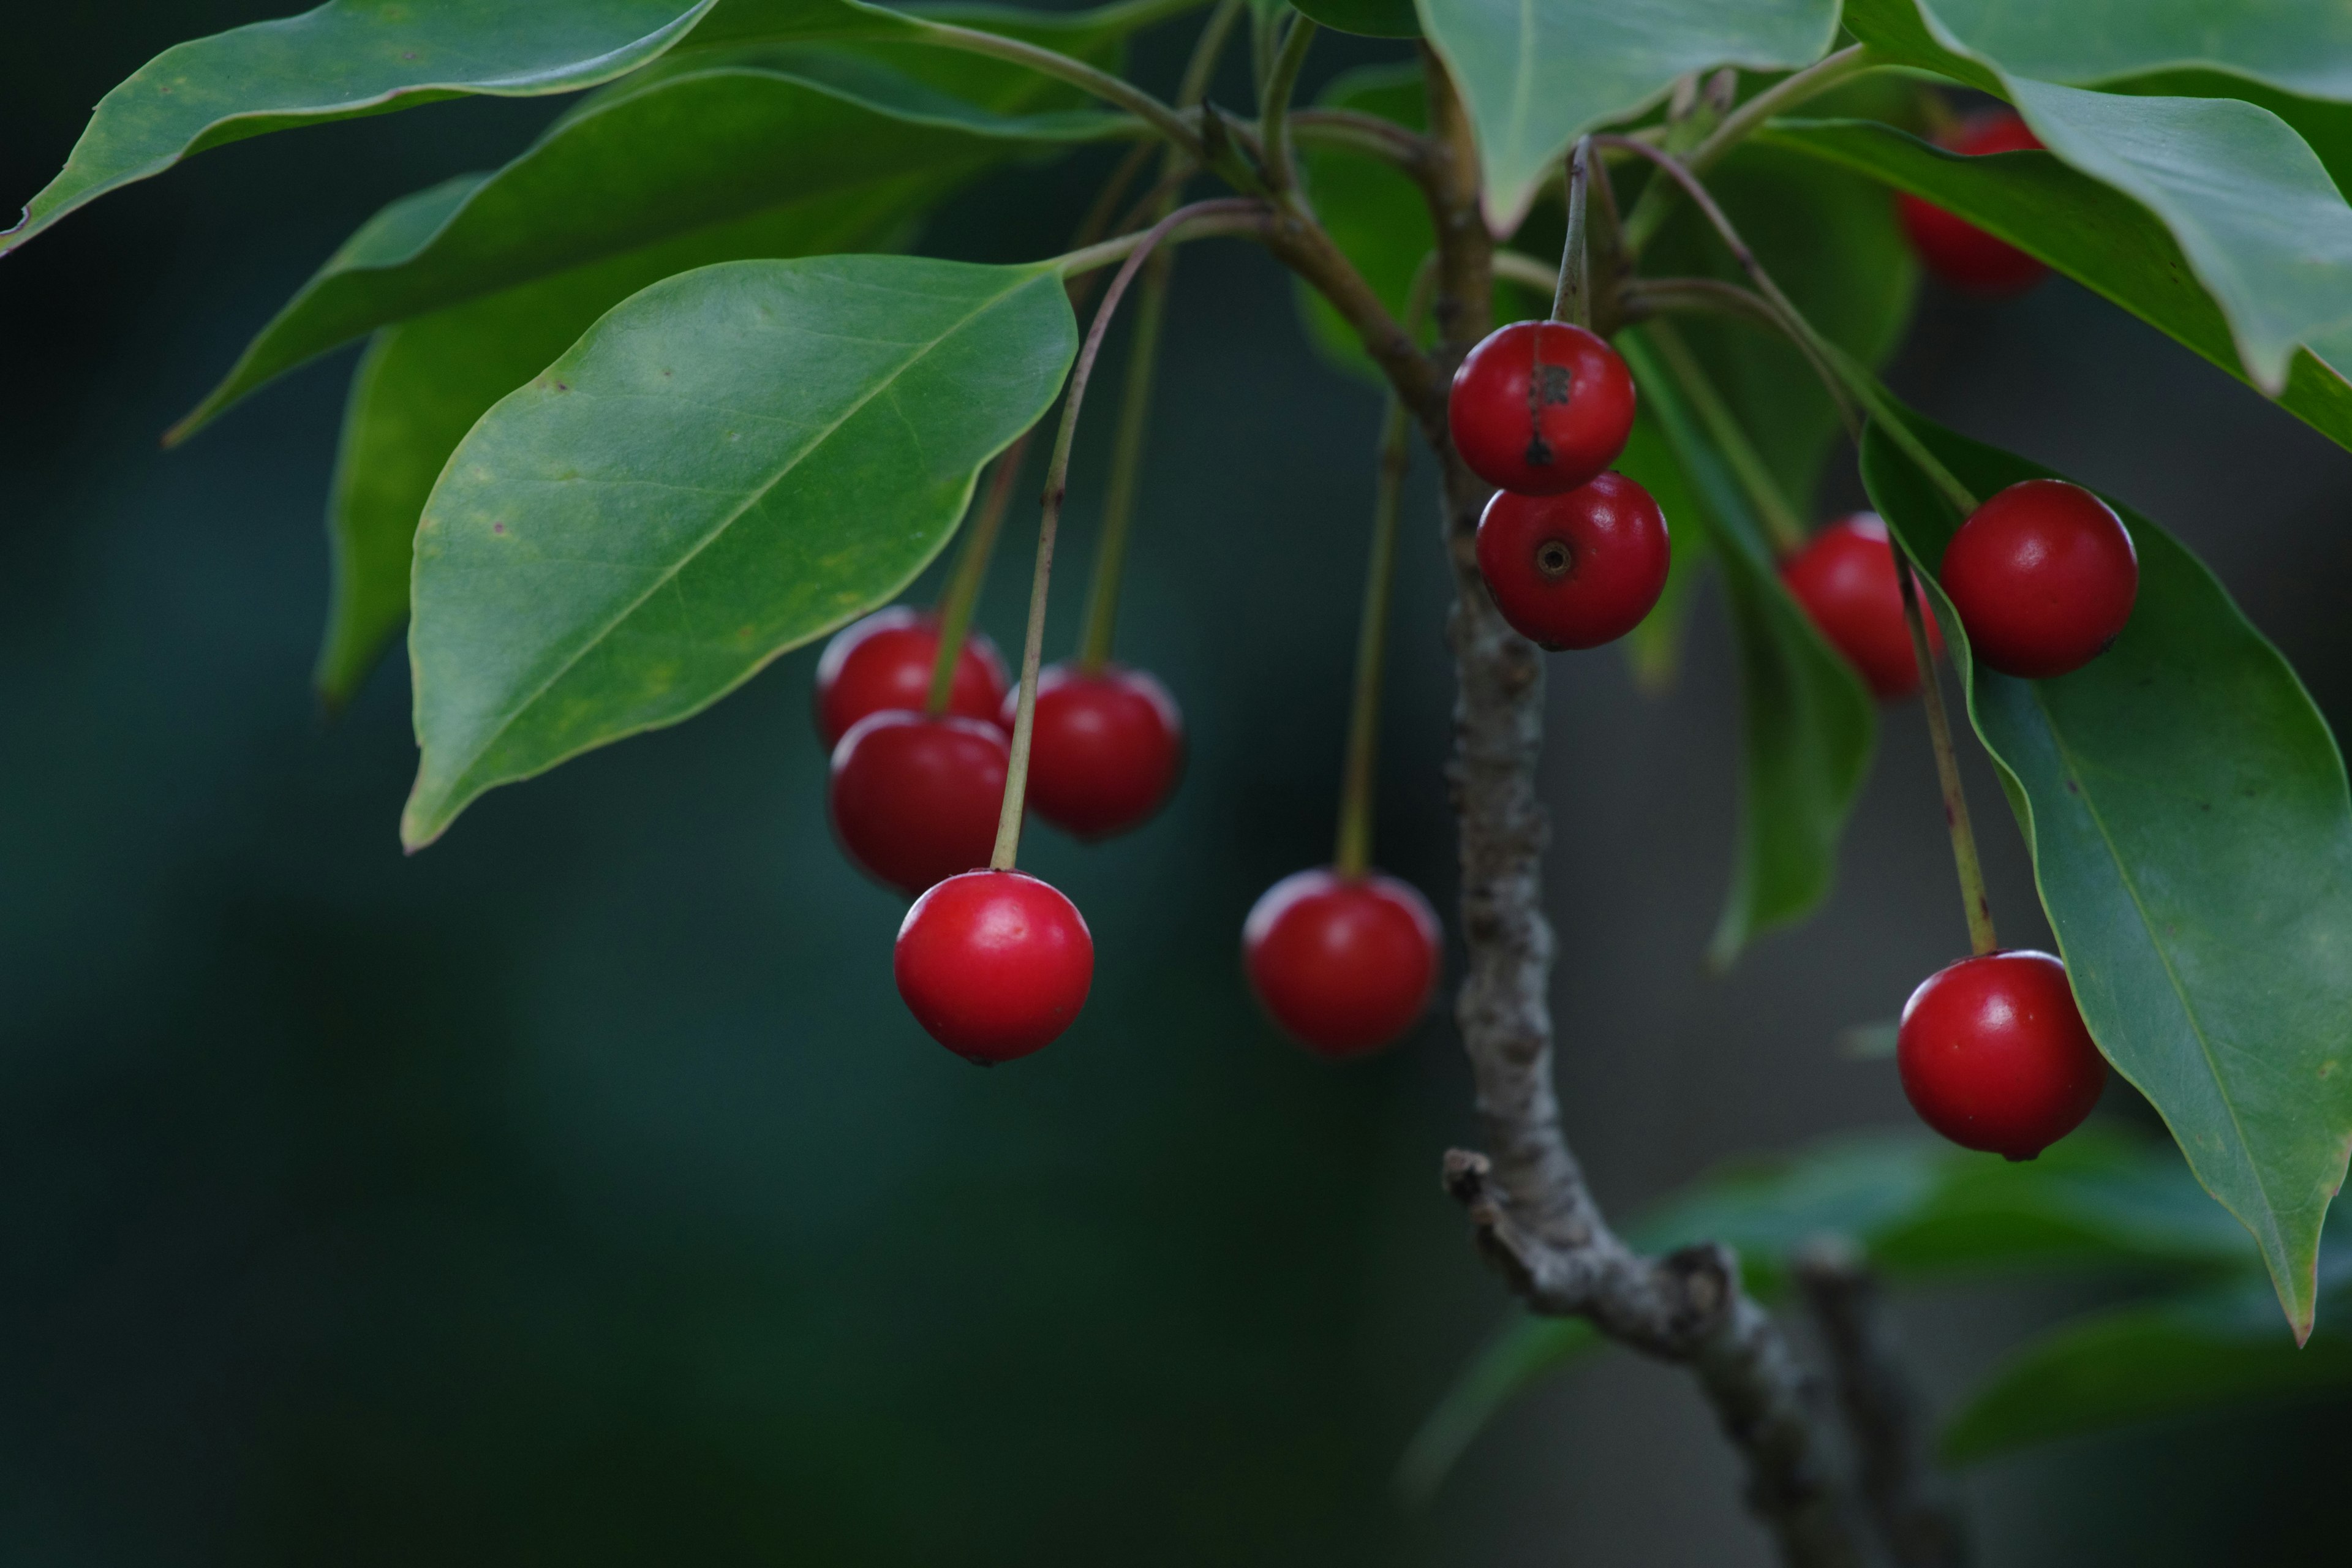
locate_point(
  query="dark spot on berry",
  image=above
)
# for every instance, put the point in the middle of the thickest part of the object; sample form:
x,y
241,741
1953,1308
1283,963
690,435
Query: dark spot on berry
x,y
1553,558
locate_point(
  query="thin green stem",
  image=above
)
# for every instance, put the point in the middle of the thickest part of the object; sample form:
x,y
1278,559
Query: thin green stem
x,y
1781,520
1973,897
1280,83
1207,50
1101,83
1572,299
1126,464
1232,215
1099,217
1353,854
956,605
1134,15
1049,517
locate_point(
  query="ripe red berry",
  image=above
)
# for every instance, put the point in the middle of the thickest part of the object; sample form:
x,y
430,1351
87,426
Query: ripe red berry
x,y
1540,407
1845,578
885,662
1955,249
1994,1053
915,800
2044,575
994,964
1105,749
1344,964
1576,570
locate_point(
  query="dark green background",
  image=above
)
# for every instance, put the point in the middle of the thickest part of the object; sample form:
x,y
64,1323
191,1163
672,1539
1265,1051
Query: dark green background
x,y
578,1192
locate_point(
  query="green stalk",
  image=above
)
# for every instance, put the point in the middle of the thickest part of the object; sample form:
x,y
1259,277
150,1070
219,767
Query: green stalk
x,y
1781,520
1970,870
1280,83
1126,465
962,596
1102,84
1572,299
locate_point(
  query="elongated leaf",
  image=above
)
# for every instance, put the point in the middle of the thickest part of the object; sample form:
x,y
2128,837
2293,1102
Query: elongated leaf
x,y
348,58
2096,236
1918,1207
2253,210
2192,840
683,153
423,383
1537,74
2207,1350
2305,50
1806,721
732,462
1653,649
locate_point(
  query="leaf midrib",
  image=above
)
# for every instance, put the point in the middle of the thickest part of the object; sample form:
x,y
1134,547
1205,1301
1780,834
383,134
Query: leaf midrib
x,y
505,723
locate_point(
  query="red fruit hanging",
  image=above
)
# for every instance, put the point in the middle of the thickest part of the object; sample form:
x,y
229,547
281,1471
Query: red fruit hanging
x,y
1994,1053
1105,749
1955,249
1540,407
1845,578
994,964
1344,964
885,662
915,800
2043,576
1575,570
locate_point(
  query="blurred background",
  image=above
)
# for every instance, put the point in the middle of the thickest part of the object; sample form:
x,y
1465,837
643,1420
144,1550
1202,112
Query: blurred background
x,y
579,1190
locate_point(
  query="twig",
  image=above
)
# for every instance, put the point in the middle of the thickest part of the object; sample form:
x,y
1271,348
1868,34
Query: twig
x,y
1912,1511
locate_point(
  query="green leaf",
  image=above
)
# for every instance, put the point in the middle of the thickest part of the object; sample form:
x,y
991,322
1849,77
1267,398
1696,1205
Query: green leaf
x,y
346,58
732,462
423,384
1537,74
684,152
1653,649
2192,840
2254,211
2305,50
1806,722
1830,239
1371,210
2098,237
2207,1349
1371,18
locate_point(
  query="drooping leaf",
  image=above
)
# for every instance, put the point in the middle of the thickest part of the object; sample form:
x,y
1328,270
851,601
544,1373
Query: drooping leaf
x,y
2212,1349
1537,74
1807,723
730,463
2255,213
1917,1206
1371,18
2092,234
2192,840
423,384
688,152
347,58
2304,49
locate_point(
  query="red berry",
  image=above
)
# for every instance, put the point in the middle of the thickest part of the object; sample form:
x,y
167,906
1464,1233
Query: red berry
x,y
994,964
1845,578
1955,249
1540,407
885,662
1344,964
1994,1054
2044,575
1576,570
915,800
1104,750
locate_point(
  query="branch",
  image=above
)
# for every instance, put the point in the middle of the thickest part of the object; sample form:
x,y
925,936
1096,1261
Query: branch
x,y
1913,1513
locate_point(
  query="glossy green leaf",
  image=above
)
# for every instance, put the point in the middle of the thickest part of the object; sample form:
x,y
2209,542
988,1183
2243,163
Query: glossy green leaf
x,y
1806,722
2255,213
2094,234
346,58
730,463
1919,1207
2303,49
2213,1349
1537,74
2192,841
1653,649
422,383
1830,239
1370,18
684,152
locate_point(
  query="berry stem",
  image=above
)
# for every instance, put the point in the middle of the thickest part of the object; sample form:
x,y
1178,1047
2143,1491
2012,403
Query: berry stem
x,y
1353,857
1049,517
1281,81
1783,521
1978,907
956,605
1571,301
